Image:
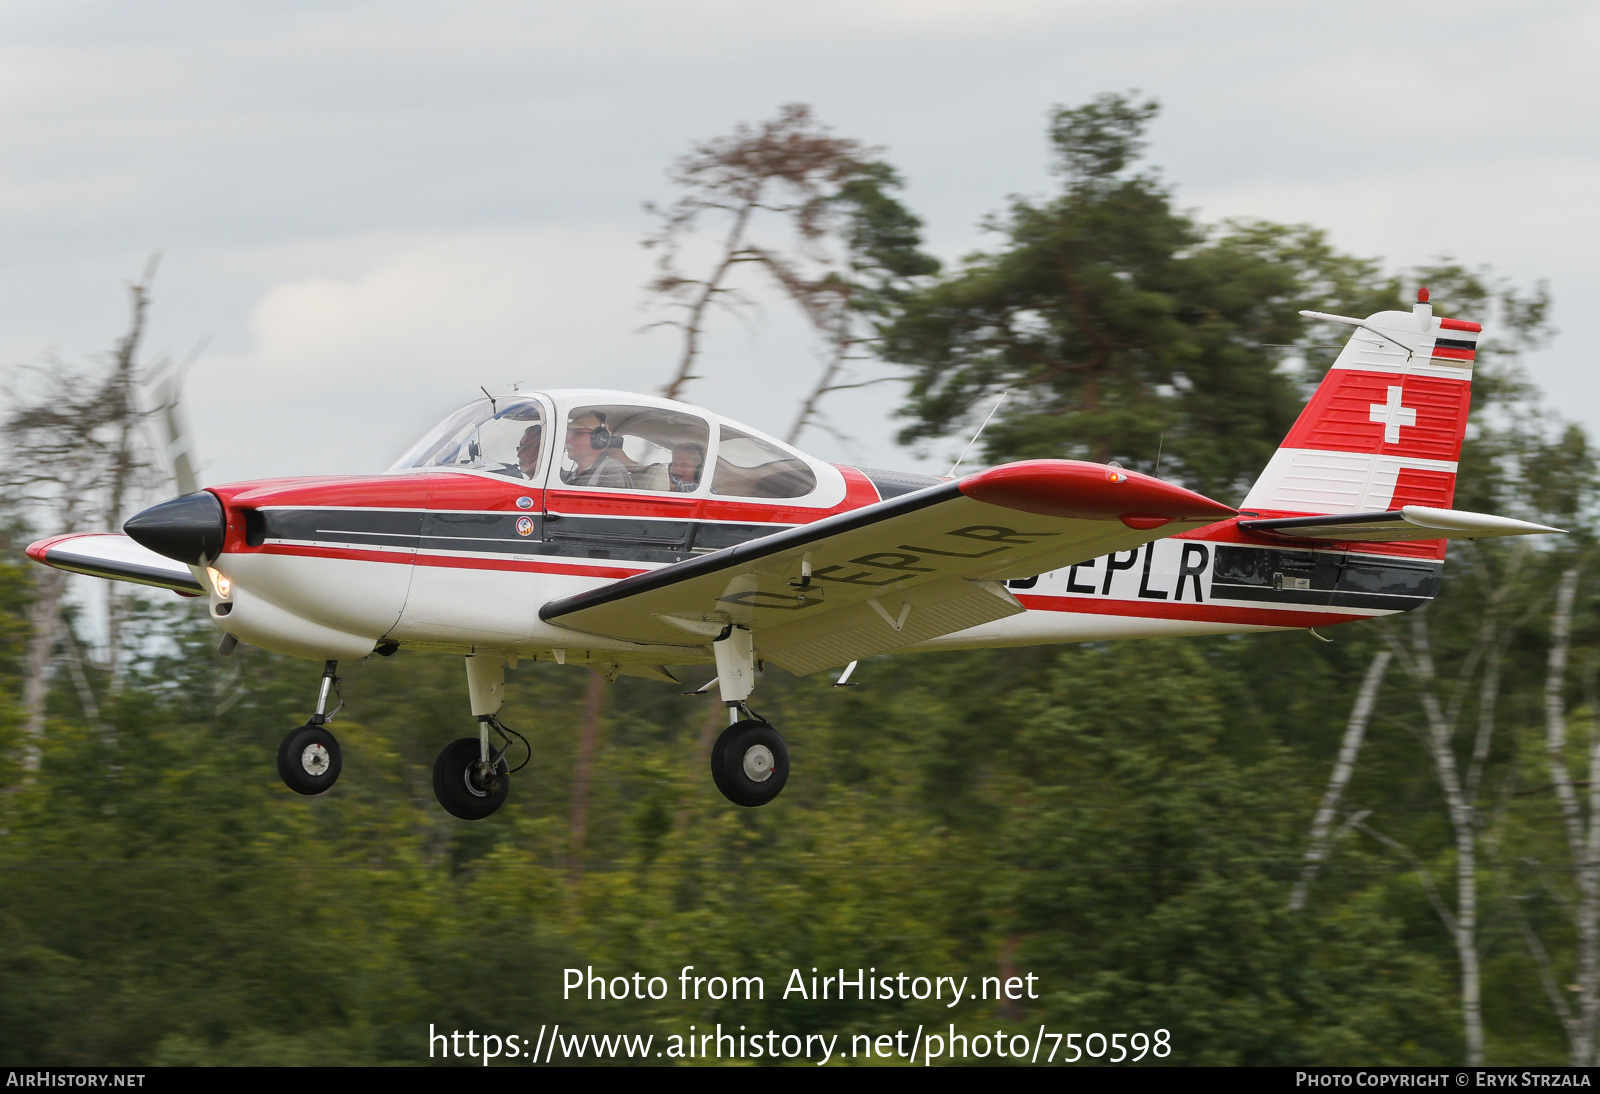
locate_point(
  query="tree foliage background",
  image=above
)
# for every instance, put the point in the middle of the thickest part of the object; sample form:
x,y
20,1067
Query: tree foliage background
x,y
1126,821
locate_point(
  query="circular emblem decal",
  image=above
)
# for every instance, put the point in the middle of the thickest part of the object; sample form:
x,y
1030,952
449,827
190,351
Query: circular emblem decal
x,y
524,503
524,526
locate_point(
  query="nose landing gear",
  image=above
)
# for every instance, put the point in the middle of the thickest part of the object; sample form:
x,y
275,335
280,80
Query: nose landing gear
x,y
308,759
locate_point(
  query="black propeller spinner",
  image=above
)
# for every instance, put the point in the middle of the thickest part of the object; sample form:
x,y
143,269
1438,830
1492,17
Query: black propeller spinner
x,y
189,529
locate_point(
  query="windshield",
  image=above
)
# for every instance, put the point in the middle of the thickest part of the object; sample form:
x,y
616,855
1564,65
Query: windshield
x,y
501,436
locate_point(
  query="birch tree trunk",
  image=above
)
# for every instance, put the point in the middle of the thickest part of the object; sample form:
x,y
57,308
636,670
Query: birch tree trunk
x,y
1463,923
1583,836
1349,750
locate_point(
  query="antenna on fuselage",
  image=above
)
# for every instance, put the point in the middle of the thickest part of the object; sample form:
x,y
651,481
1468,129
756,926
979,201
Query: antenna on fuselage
x,y
494,407
978,434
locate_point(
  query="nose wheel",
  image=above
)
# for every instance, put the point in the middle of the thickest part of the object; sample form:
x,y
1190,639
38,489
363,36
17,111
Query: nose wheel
x,y
750,763
309,760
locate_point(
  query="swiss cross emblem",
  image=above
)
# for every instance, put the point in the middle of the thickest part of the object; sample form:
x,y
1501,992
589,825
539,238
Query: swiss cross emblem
x,y
1393,416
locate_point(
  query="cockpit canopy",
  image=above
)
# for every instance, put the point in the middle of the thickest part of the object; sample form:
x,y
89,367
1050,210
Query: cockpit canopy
x,y
612,445
634,448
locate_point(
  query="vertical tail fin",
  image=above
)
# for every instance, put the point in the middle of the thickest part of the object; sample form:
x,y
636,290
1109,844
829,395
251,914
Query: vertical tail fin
x,y
1384,427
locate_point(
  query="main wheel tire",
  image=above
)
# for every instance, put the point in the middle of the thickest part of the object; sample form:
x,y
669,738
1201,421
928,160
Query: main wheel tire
x,y
309,760
750,763
718,750
462,785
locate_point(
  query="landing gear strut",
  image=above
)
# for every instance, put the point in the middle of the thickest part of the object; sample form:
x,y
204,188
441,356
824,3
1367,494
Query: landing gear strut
x,y
750,761
471,778
308,759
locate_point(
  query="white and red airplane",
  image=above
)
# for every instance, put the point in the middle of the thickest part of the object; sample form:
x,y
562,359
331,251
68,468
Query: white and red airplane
x,y
630,534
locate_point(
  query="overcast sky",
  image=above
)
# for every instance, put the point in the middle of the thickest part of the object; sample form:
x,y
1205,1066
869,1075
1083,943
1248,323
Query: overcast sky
x,y
374,208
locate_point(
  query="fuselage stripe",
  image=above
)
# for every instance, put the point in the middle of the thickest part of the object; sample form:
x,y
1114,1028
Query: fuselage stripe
x,y
466,562
1194,613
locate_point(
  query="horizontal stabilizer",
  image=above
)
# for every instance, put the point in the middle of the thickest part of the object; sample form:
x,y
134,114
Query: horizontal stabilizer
x,y
1406,523
115,556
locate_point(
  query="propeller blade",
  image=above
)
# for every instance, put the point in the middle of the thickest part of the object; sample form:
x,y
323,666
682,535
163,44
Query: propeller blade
x,y
174,434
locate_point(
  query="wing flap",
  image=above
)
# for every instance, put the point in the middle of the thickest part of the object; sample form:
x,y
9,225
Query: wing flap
x,y
116,557
1409,522
803,590
885,623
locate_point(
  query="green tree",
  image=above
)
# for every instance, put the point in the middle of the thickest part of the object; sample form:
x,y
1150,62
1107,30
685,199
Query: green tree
x,y
1116,320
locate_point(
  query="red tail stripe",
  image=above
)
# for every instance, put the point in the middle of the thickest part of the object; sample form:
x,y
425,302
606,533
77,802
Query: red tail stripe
x,y
1456,354
1421,486
1460,324
1339,416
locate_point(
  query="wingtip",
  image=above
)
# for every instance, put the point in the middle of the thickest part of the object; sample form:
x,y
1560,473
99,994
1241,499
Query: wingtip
x,y
38,549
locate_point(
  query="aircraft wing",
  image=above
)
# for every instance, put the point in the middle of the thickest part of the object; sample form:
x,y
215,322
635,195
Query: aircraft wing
x,y
113,555
895,573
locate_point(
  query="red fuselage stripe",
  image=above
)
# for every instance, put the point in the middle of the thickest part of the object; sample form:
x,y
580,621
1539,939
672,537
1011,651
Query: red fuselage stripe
x,y
406,558
1194,613
1204,613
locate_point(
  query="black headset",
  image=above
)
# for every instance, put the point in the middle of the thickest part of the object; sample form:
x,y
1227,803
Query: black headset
x,y
600,436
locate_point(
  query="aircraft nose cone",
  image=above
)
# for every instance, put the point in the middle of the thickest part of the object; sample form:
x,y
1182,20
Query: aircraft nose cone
x,y
189,529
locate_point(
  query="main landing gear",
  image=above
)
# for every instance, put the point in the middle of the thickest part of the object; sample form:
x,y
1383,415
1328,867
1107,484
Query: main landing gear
x,y
308,758
749,762
471,778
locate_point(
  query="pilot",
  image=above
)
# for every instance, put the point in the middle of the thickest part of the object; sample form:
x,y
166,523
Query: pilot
x,y
595,465
684,472
528,449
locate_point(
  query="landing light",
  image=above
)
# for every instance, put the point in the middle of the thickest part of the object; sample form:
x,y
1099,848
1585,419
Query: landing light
x,y
220,582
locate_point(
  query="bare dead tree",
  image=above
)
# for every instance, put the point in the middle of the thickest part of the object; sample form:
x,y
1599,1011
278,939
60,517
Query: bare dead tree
x,y
74,458
786,168
846,240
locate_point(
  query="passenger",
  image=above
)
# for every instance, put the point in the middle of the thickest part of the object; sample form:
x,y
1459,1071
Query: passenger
x,y
688,460
528,449
596,466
